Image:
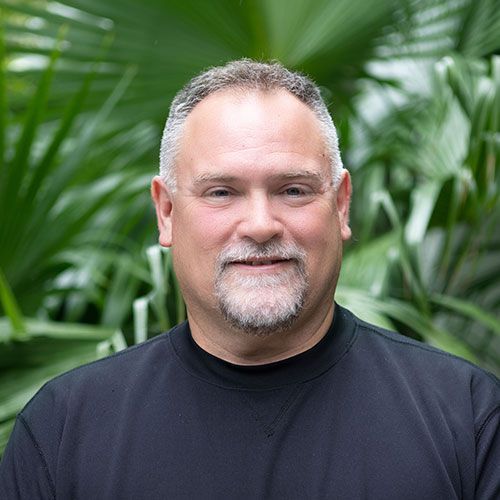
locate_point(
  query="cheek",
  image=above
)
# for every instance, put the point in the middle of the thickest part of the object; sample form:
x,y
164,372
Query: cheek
x,y
198,231
319,235
315,229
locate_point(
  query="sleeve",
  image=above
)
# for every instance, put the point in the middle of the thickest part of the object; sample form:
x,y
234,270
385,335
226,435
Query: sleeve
x,y
24,474
488,457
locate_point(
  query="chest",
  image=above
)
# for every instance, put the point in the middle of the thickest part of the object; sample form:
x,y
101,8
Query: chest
x,y
304,441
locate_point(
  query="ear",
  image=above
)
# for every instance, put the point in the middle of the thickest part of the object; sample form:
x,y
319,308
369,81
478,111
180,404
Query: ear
x,y
343,203
162,198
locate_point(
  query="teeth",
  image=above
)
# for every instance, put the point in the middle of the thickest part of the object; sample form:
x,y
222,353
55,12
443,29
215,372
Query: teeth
x,y
262,263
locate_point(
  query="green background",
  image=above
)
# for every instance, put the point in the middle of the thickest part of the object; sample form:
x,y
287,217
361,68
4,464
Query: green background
x,y
85,86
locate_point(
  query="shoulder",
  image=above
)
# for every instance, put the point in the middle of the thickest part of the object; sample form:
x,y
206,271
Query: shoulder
x,y
414,353
428,372
124,371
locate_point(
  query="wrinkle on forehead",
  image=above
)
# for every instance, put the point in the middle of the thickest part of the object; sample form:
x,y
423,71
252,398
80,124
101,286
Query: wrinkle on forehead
x,y
267,119
293,174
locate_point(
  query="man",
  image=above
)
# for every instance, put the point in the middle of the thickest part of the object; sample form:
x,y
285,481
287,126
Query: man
x,y
270,390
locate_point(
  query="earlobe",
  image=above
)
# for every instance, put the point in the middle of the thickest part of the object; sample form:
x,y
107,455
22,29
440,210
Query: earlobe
x,y
343,204
163,203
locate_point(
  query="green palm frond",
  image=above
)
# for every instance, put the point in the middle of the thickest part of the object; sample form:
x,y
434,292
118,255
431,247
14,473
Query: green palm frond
x,y
414,87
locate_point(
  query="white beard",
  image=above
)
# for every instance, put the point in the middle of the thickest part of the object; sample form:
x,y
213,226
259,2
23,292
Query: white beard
x,y
265,304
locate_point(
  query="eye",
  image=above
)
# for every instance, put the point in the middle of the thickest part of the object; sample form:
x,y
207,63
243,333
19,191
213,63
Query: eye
x,y
295,191
218,193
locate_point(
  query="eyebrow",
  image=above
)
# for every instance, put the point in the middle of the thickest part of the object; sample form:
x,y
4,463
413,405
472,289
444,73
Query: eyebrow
x,y
217,178
300,174
226,179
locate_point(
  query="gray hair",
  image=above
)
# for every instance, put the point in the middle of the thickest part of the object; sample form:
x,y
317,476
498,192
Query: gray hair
x,y
244,74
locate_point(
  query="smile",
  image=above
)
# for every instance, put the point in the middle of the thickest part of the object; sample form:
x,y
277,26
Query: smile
x,y
260,262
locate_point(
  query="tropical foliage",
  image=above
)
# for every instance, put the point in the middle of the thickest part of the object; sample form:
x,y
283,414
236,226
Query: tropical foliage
x,y
85,85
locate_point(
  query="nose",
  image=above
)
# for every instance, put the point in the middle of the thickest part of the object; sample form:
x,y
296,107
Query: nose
x,y
259,222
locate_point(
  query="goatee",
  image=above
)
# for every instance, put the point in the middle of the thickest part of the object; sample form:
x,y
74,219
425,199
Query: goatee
x,y
265,304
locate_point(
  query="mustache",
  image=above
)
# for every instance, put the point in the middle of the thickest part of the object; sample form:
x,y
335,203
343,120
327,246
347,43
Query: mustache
x,y
271,250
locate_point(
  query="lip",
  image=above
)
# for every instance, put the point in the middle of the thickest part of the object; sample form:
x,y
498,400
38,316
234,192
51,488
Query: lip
x,y
261,265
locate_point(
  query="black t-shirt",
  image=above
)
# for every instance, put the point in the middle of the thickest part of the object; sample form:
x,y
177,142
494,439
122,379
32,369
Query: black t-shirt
x,y
364,414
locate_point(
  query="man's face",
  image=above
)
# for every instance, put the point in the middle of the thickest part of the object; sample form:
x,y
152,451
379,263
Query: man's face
x,y
255,226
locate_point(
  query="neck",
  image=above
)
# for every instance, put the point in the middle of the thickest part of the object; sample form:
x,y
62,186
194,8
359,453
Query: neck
x,y
241,348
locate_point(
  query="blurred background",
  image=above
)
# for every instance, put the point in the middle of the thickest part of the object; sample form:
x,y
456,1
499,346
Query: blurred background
x,y
85,87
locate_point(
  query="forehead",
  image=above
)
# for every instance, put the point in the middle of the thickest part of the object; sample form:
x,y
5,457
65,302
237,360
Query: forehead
x,y
245,120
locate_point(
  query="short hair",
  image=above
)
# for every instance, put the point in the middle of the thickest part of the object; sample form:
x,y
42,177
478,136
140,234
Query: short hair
x,y
244,74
